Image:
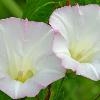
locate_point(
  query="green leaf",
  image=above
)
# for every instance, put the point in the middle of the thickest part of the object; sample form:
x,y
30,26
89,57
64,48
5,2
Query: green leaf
x,y
12,6
3,96
3,11
75,88
40,10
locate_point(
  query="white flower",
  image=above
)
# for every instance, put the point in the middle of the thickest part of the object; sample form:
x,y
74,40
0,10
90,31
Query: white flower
x,y
77,38
27,63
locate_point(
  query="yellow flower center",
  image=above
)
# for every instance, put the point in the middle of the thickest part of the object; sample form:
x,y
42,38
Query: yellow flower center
x,y
82,51
23,76
20,69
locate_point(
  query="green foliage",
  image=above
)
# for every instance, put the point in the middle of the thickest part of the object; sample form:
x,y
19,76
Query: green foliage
x,y
40,10
76,88
9,8
4,96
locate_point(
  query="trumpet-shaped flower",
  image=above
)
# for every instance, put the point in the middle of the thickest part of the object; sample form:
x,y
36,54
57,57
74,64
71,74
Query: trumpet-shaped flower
x,y
77,38
27,63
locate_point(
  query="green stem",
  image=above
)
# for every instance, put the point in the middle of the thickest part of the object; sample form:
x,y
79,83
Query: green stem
x,y
37,98
48,93
12,7
20,99
68,3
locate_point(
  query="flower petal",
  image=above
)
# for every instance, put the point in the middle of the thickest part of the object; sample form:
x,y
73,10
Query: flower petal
x,y
69,63
21,39
17,89
43,46
79,27
60,45
49,70
31,88
70,21
88,70
10,87
62,20
23,33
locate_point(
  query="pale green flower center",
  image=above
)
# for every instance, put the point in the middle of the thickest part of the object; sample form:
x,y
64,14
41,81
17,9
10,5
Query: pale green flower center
x,y
21,69
24,75
82,51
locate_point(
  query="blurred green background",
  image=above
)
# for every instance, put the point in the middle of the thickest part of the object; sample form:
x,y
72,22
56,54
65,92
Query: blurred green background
x,y
73,87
